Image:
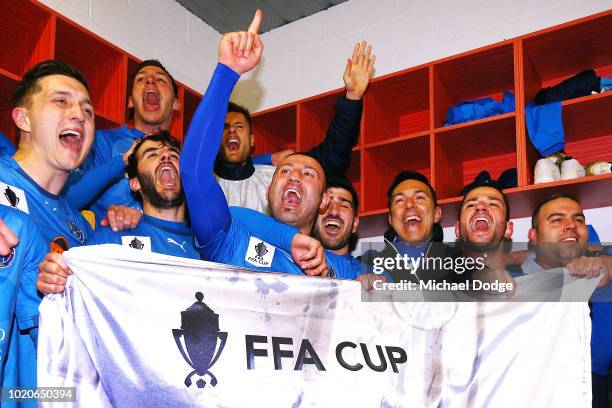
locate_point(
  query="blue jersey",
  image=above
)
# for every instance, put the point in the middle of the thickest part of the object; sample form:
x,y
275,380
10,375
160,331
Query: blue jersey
x,y
57,221
222,237
151,234
108,144
6,146
19,302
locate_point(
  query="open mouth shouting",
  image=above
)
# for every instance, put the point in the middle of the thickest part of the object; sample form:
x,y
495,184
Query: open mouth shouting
x,y
72,139
233,144
292,198
480,224
167,175
413,221
332,225
151,100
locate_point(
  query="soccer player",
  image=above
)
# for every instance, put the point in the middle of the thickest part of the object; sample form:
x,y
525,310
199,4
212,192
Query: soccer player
x,y
483,226
154,99
413,216
55,118
560,237
245,184
295,193
154,175
21,250
337,225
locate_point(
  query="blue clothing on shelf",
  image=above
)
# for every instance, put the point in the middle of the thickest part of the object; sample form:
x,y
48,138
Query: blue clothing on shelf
x,y
545,127
479,109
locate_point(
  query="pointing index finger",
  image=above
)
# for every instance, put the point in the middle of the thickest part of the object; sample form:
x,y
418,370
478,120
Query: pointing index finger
x,y
254,27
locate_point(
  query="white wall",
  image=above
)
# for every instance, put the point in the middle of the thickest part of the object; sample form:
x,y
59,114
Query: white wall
x,y
160,29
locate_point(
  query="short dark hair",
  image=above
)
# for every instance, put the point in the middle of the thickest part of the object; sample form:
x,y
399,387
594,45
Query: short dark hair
x,y
495,186
154,63
29,85
234,107
163,137
536,212
335,180
409,175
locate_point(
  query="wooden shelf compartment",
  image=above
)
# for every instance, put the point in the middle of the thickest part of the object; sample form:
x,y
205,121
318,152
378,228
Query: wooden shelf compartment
x,y
103,65
191,100
461,153
275,129
473,75
104,122
132,63
27,30
587,123
314,117
397,105
556,54
354,174
8,82
382,163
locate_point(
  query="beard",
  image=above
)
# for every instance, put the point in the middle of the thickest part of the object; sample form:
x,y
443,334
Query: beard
x,y
157,200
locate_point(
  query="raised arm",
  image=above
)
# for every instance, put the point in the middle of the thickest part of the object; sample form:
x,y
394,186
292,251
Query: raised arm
x,y
239,52
334,153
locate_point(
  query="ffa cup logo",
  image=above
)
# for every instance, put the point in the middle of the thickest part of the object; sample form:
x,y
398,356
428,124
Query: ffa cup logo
x,y
11,197
136,244
5,261
202,343
76,231
259,253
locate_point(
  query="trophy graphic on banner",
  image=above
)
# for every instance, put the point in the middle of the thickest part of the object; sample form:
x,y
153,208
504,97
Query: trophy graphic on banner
x,y
202,343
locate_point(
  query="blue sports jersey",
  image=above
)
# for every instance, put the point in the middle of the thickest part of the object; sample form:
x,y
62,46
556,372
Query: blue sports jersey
x,y
6,146
151,234
52,214
19,302
221,236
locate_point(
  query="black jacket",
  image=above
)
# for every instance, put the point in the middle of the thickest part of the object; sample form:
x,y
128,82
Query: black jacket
x,y
427,270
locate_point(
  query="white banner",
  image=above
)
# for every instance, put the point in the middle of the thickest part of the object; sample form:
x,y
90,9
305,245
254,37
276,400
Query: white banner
x,y
141,329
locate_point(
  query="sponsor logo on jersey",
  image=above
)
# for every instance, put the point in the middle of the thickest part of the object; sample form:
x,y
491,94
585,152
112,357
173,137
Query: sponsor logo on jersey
x,y
259,253
182,246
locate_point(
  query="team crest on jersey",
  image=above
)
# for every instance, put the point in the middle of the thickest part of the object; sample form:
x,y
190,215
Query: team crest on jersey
x,y
13,197
135,242
259,253
76,232
5,261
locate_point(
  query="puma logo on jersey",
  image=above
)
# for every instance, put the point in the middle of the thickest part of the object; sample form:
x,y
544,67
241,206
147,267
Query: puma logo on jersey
x,y
172,241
